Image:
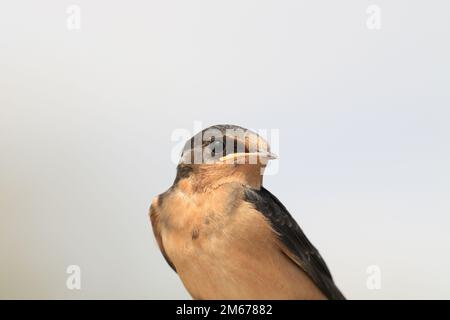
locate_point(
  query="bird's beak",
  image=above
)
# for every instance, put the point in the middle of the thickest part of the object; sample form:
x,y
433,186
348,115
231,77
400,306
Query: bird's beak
x,y
267,155
262,156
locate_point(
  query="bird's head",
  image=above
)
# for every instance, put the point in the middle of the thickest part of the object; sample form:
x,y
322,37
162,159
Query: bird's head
x,y
224,153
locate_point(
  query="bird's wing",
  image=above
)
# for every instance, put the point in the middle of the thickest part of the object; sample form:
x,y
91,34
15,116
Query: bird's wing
x,y
154,218
294,242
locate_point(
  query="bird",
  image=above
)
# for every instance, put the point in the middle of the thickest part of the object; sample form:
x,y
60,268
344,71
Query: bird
x,y
225,234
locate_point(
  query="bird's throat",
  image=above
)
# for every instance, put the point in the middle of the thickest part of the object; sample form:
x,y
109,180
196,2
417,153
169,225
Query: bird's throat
x,y
211,176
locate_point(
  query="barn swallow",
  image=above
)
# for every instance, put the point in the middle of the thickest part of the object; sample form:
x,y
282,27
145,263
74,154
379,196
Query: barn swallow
x,y
227,236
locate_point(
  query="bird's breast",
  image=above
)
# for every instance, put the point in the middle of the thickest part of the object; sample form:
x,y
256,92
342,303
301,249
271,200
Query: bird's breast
x,y
198,223
223,248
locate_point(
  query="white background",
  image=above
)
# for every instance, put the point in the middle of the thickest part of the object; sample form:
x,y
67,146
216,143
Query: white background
x,y
86,118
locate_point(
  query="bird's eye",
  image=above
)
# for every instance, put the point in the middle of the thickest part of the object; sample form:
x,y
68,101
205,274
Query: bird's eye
x,y
217,147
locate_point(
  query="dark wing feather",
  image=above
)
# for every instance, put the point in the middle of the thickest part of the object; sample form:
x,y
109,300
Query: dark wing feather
x,y
305,254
